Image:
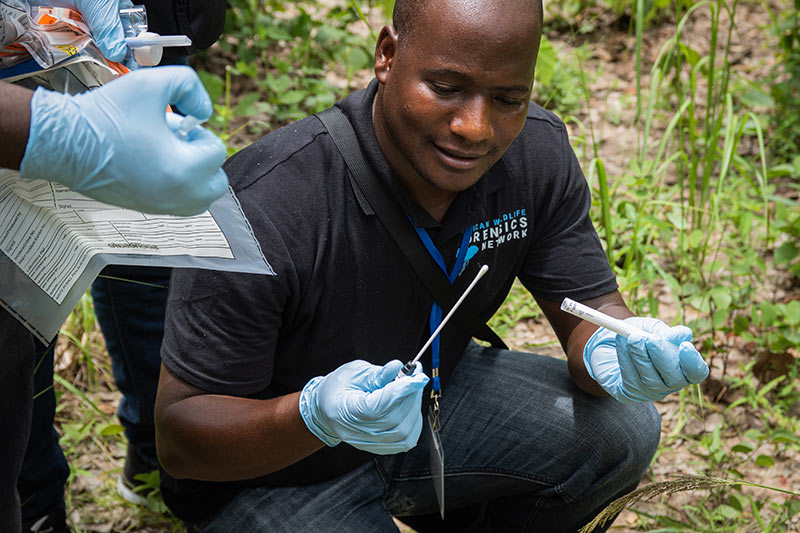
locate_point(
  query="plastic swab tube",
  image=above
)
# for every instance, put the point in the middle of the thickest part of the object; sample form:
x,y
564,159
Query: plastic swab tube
x,y
601,319
154,39
408,368
148,47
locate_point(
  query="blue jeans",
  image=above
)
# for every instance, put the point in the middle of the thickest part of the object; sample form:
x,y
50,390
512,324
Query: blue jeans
x,y
45,470
131,316
17,360
525,450
130,303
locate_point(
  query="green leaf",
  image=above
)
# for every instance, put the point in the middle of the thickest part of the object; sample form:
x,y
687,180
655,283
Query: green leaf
x,y
733,501
740,325
277,33
764,461
277,85
768,313
754,434
106,430
743,447
785,253
324,99
695,238
213,84
546,63
727,511
719,318
356,59
691,55
292,97
721,296
326,34
757,97
246,106
784,436
792,315
676,220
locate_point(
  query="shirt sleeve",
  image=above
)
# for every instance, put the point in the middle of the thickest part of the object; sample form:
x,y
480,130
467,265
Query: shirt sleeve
x,y
565,258
222,328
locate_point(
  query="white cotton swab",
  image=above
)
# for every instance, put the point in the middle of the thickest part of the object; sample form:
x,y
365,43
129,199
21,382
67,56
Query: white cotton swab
x,y
408,368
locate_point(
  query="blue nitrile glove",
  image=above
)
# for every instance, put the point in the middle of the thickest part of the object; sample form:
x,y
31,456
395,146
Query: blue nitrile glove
x,y
102,17
644,369
362,405
114,144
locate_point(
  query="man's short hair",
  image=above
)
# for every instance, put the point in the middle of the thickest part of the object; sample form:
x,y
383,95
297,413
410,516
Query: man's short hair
x,y
407,12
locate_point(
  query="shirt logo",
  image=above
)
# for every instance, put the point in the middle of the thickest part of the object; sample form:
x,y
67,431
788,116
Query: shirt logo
x,y
494,232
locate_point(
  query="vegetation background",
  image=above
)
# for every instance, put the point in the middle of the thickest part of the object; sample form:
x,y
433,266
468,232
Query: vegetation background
x,y
686,117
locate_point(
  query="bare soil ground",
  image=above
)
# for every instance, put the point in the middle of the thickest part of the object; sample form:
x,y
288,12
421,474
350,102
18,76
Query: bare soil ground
x,y
97,461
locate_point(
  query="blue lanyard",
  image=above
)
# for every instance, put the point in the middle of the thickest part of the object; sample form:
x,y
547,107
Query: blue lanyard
x,y
436,310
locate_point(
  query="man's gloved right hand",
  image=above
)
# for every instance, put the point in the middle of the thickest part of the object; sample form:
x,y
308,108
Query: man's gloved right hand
x,y
362,404
644,369
102,17
114,144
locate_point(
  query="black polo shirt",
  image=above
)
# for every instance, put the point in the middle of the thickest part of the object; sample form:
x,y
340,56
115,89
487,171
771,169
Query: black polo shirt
x,y
344,291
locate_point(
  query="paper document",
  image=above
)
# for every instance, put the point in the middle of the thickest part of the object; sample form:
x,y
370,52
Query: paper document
x,y
51,233
54,242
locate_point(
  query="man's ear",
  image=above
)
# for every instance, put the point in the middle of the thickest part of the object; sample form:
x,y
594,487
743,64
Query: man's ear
x,y
385,52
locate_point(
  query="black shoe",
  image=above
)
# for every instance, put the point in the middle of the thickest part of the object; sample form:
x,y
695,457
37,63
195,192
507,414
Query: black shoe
x,y
127,482
52,521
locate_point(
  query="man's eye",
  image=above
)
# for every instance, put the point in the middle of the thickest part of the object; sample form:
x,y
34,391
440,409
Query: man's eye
x,y
509,102
443,89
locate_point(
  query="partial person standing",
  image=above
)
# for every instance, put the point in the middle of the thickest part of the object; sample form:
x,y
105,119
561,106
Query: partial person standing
x,y
113,144
129,304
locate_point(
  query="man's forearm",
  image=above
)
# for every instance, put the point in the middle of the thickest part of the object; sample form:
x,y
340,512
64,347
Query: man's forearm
x,y
573,333
15,122
224,438
612,305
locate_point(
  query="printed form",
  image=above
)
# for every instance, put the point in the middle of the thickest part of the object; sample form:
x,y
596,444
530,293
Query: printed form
x,y
51,233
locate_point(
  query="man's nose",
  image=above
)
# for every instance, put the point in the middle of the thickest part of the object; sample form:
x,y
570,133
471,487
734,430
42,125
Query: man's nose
x,y
473,120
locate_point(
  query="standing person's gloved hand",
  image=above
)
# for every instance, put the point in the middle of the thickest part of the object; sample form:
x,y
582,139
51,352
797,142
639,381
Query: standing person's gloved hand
x,y
362,405
644,369
114,143
102,17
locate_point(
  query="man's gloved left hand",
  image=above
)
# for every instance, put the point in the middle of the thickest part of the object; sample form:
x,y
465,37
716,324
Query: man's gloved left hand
x,y
644,369
102,17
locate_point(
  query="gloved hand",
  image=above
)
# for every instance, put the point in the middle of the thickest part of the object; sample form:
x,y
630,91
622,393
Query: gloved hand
x,y
644,369
114,144
363,405
102,17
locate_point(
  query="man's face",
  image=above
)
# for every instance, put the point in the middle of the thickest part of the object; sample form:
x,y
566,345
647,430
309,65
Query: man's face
x,y
454,95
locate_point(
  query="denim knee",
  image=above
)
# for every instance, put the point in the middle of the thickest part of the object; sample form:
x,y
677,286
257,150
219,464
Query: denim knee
x,y
614,451
630,443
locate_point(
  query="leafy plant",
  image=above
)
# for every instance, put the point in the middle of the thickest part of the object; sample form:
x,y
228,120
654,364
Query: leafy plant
x,y
557,78
696,212
785,86
281,62
150,488
518,305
